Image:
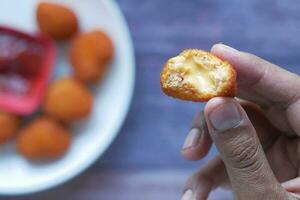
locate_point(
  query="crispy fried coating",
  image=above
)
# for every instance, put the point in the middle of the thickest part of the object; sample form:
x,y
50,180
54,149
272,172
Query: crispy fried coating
x,y
196,75
89,55
9,125
68,100
43,138
57,21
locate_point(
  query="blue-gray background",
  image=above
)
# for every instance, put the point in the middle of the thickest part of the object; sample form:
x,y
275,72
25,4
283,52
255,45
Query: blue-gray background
x,y
156,126
145,162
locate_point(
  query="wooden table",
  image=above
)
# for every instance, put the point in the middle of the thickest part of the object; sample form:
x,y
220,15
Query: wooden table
x,y
144,163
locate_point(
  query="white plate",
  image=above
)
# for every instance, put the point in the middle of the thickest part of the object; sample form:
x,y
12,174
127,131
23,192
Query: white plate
x,y
92,138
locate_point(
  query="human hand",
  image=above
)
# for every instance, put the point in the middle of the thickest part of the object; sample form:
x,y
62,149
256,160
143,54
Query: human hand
x,y
258,139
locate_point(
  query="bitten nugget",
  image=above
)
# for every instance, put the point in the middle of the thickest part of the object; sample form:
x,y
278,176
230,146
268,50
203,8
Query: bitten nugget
x,y
68,100
89,55
196,75
56,20
43,138
9,125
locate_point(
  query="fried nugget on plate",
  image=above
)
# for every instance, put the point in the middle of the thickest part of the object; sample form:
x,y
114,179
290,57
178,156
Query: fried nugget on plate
x,y
43,138
68,100
9,124
56,20
89,55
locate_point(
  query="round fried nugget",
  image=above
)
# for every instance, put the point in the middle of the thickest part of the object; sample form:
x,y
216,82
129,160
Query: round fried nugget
x,y
57,21
9,125
89,55
43,138
68,100
196,75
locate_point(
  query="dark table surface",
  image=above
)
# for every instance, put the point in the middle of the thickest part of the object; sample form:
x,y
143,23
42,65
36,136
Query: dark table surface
x,y
145,162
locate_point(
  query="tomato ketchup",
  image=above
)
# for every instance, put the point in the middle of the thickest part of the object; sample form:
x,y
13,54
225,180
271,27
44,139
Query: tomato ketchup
x,y
20,62
26,63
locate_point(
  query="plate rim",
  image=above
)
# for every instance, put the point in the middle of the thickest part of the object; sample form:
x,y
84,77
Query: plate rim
x,y
111,5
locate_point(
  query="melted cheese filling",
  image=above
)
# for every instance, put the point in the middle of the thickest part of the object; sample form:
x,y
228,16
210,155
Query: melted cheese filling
x,y
199,75
203,73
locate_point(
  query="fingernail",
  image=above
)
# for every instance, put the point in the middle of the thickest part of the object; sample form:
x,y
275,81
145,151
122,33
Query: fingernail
x,y
192,138
227,48
288,184
188,195
225,116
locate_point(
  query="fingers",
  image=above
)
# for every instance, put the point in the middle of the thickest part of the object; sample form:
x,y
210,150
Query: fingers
x,y
269,81
198,141
206,179
188,195
264,83
292,185
266,132
236,140
279,119
283,158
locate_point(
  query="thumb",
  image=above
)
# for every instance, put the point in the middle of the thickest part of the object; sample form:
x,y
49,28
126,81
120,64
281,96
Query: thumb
x,y
235,138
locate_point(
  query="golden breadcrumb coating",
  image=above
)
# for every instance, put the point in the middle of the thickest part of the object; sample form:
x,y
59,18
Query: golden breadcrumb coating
x,y
197,75
68,100
43,138
90,54
9,125
56,20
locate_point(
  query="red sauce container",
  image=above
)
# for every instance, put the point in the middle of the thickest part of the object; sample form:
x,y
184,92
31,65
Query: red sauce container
x,y
26,64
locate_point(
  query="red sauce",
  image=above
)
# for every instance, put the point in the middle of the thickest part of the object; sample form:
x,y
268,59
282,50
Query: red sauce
x,y
20,62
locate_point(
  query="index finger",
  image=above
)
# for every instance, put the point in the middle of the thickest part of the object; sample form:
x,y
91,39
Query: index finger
x,y
264,83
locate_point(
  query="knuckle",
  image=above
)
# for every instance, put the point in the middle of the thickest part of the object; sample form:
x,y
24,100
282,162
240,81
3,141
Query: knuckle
x,y
245,155
204,179
199,178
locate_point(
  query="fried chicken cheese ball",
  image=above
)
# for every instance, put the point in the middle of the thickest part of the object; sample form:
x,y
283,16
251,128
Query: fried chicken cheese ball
x,y
43,138
57,21
68,100
9,125
89,54
196,75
